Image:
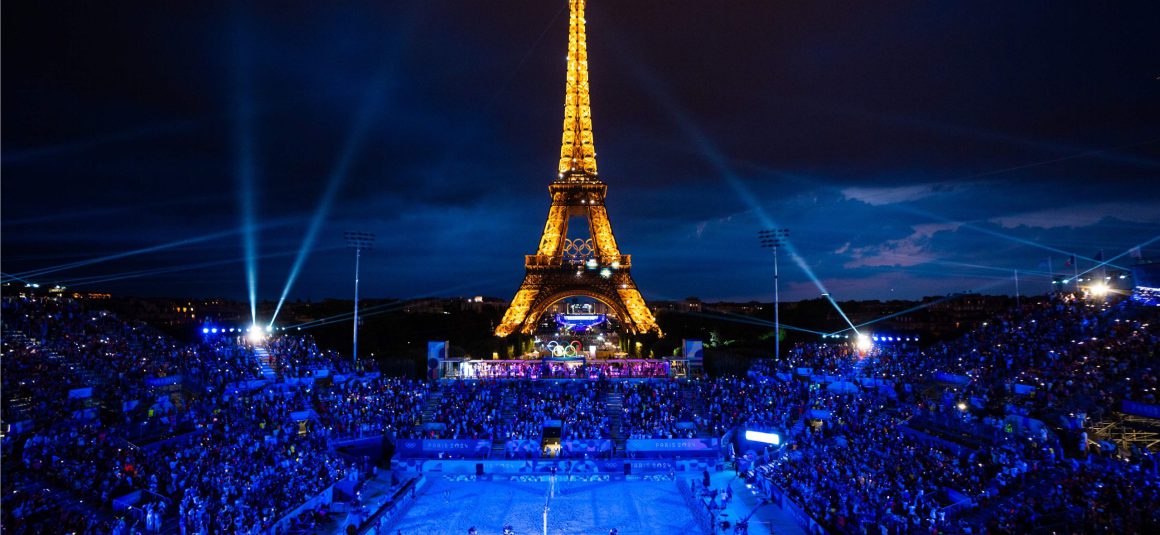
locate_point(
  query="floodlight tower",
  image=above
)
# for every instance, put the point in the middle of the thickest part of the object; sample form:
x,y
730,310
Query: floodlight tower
x,y
359,241
775,239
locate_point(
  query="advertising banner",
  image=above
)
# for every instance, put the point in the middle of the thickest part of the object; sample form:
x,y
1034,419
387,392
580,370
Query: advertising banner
x,y
163,381
1022,390
694,350
81,393
586,446
432,447
643,466
1146,410
951,378
522,448
675,445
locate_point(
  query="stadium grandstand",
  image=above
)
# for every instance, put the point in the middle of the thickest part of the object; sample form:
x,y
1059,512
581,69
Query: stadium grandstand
x,y
1042,420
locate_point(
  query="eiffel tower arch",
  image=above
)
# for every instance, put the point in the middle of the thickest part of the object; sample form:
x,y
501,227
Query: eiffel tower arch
x,y
564,267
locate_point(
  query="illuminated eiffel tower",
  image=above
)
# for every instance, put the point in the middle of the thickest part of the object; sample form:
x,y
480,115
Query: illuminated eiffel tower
x,y
592,267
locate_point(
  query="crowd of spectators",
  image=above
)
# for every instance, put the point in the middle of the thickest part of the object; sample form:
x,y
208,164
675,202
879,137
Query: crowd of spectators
x,y
1111,497
934,453
230,460
895,439
250,465
36,386
1077,355
247,463
299,356
467,411
527,422
656,409
756,402
379,405
582,410
578,406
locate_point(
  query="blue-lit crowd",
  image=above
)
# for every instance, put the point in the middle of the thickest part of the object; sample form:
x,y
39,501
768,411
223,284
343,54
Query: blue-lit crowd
x,y
98,441
114,427
984,434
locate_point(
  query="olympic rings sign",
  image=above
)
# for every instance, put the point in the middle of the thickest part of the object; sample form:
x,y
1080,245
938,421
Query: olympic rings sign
x,y
573,349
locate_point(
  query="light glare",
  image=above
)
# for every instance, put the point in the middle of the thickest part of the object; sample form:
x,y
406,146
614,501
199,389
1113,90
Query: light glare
x,y
765,438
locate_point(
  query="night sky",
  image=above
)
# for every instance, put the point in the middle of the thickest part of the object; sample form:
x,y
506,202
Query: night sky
x,y
913,148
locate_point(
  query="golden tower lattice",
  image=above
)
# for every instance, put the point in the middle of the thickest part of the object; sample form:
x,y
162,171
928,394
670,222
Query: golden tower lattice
x,y
590,267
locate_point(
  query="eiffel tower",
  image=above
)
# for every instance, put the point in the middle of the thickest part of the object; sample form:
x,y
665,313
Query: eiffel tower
x,y
592,267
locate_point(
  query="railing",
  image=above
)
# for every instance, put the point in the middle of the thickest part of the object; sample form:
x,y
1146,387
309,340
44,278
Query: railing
x,y
623,261
391,510
701,513
287,516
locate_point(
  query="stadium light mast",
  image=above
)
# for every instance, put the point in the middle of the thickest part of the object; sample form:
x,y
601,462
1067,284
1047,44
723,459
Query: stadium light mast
x,y
775,239
359,241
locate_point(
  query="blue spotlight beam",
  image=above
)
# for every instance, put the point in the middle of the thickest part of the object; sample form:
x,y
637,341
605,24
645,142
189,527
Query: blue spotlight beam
x,y
371,104
1085,154
388,307
134,252
1107,262
145,131
135,208
920,307
995,233
96,279
967,225
8,277
1107,154
710,152
246,165
88,281
749,320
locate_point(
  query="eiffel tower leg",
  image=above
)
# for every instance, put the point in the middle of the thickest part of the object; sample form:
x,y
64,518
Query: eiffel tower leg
x,y
517,312
555,231
601,231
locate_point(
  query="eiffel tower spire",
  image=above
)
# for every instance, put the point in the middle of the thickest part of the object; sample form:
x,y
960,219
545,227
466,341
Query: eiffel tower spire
x,y
577,149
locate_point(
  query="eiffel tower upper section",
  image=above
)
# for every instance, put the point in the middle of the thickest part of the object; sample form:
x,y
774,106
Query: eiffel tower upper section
x,y
577,148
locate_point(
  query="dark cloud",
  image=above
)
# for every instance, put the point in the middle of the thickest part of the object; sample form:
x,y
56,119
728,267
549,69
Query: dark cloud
x,y
912,148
